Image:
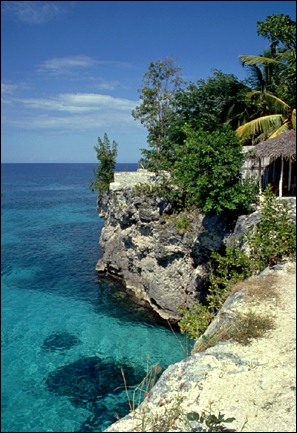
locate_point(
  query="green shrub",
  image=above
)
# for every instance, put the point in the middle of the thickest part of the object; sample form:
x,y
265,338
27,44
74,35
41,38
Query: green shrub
x,y
208,170
182,223
104,173
225,270
147,190
271,240
274,237
195,319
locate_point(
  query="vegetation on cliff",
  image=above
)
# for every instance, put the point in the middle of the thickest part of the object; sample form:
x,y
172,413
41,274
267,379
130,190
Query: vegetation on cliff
x,y
196,132
104,173
270,241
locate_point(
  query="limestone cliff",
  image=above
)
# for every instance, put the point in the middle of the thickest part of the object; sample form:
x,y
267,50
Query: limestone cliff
x,y
146,246
255,385
161,257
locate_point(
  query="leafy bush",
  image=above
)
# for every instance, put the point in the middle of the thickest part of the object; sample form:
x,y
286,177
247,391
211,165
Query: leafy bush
x,y
195,319
208,171
226,269
275,235
147,190
182,223
271,240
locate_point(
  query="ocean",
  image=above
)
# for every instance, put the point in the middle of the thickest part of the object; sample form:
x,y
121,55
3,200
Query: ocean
x,y
68,336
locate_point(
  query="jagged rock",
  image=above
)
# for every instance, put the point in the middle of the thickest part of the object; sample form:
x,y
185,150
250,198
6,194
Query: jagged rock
x,y
161,264
251,385
247,222
144,244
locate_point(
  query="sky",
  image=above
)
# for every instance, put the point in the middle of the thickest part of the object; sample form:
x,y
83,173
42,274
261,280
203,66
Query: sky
x,y
71,70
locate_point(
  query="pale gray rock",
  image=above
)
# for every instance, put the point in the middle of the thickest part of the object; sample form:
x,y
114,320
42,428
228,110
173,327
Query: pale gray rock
x,y
143,244
160,264
254,385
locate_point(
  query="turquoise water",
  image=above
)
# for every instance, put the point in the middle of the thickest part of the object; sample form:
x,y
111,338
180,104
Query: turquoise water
x,y
65,332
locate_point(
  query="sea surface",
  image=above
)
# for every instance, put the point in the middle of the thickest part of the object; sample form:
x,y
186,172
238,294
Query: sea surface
x,y
68,337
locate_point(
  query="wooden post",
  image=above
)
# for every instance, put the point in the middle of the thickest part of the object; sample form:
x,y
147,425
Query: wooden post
x,y
260,177
281,178
290,175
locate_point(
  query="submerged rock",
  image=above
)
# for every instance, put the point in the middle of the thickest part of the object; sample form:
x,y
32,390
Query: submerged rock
x,y
90,379
60,341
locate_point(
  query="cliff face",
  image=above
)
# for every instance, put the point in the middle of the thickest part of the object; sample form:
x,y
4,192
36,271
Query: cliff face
x,y
160,257
161,264
253,384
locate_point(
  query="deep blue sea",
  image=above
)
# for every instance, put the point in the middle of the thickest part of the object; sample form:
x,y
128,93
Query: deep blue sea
x,y
66,333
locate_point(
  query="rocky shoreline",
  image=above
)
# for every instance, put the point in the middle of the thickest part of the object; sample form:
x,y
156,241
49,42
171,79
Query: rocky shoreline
x,y
160,257
254,384
163,266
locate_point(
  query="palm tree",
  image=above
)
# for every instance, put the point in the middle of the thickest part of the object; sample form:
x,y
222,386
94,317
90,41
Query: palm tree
x,y
273,81
272,115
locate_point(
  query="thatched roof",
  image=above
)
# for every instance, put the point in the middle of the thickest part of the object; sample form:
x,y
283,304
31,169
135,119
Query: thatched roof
x,y
282,145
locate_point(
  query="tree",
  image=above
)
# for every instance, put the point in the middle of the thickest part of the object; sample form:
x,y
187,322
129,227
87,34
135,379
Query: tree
x,y
160,84
209,173
104,173
273,78
209,104
282,118
280,30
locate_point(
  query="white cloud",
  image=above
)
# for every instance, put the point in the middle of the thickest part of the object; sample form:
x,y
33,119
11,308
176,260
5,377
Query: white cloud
x,y
32,12
105,85
78,102
9,88
61,65
69,64
71,111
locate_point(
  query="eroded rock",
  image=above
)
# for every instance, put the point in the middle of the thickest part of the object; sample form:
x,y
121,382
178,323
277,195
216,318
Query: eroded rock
x,y
143,243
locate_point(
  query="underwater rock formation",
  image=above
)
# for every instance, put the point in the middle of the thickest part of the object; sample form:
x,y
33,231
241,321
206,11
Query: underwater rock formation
x,y
60,341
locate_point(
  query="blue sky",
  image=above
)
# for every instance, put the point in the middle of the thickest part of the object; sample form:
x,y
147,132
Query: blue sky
x,y
71,71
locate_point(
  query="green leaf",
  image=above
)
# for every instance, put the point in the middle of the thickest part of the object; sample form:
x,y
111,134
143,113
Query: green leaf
x,y
229,419
193,416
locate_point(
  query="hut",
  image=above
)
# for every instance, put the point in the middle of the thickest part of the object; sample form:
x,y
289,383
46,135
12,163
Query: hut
x,y
277,163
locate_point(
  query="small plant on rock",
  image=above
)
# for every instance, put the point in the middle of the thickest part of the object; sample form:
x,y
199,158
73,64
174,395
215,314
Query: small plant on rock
x,y
225,270
213,423
248,326
182,223
195,319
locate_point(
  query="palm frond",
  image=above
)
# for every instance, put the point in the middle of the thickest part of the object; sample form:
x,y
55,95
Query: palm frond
x,y
288,55
262,124
283,128
276,104
253,60
255,77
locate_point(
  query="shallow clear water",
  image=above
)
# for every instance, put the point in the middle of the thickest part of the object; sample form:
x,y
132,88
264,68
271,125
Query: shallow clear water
x,y
66,333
